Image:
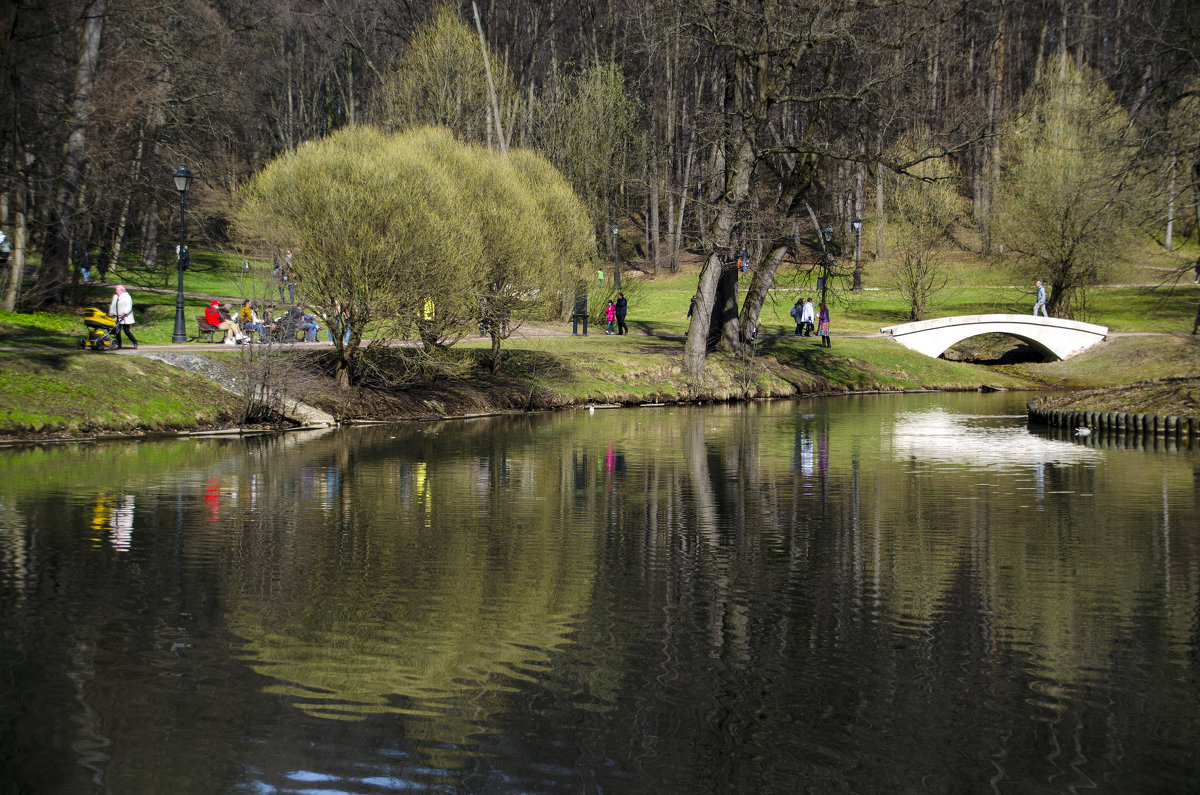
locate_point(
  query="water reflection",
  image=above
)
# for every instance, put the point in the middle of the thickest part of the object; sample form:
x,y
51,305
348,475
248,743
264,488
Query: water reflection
x,y
739,597
937,435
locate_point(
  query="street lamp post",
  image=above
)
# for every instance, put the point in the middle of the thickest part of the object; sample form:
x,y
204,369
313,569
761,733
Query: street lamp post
x,y
183,180
616,260
857,251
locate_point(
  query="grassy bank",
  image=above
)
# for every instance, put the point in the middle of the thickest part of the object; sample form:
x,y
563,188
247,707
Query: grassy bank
x,y
57,394
46,394
64,391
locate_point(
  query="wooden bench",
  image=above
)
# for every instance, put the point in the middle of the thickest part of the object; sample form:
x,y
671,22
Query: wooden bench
x,y
203,329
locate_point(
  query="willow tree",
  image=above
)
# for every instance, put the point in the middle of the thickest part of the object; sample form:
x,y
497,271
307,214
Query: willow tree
x,y
377,234
441,80
533,232
925,204
1065,199
586,125
393,233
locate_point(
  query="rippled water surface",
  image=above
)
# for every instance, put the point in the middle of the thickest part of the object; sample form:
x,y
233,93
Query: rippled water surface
x,y
910,593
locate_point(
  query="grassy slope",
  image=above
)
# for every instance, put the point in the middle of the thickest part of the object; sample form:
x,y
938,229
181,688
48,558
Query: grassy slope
x,y
68,393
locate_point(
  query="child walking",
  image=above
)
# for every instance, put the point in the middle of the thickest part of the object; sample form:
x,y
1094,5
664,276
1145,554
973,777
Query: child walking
x,y
610,314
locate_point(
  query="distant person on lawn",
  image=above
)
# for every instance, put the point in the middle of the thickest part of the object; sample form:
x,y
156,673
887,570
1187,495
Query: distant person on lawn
x,y
807,316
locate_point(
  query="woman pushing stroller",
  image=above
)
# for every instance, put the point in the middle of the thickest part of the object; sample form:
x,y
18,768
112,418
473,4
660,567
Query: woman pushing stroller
x,y
121,309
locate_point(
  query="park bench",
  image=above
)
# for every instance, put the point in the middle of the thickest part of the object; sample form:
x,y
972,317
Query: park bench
x,y
205,329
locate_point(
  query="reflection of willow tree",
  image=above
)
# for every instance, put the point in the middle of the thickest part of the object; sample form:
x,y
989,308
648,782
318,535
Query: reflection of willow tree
x,y
399,606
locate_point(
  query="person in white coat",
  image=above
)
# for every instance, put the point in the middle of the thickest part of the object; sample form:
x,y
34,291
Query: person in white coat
x,y
807,316
121,308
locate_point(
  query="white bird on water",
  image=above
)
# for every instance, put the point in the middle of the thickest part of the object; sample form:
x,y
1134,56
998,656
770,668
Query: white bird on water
x,y
591,409
1083,431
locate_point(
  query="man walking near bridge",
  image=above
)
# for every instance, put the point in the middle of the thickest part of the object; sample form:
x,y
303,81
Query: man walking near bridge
x,y
1041,300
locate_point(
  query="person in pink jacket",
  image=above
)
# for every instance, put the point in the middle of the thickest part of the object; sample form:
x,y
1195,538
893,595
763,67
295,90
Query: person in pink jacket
x,y
610,314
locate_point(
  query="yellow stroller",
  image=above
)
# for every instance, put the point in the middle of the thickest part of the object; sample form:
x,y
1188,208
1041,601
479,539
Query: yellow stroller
x,y
100,329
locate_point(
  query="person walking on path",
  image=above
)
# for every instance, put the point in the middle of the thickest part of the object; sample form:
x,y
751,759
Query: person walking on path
x,y
610,314
1041,300
823,327
797,308
121,308
289,277
621,308
807,317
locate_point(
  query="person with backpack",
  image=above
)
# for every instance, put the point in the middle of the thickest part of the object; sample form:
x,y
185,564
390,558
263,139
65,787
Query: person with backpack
x,y
797,308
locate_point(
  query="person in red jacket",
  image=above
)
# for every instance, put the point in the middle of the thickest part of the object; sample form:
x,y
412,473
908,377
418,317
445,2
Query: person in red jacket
x,y
214,317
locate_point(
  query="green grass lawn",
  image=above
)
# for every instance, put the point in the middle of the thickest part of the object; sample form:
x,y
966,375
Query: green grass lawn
x,y
1146,296
65,393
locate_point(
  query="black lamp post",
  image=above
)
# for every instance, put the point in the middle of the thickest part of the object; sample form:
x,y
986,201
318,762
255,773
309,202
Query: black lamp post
x,y
616,259
857,250
183,180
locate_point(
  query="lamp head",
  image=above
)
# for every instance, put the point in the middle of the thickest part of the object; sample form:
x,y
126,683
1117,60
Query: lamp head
x,y
183,179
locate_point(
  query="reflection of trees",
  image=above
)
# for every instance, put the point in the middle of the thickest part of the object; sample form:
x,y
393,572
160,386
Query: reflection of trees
x,y
429,580
928,583
715,593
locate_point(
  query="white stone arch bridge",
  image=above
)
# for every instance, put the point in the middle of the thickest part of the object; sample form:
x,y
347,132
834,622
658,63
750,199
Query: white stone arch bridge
x,y
1055,338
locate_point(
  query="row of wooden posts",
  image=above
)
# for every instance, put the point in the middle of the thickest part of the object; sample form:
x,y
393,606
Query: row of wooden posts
x,y
1171,425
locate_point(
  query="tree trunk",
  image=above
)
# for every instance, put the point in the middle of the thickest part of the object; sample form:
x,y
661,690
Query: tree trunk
x,y
1170,203
652,224
494,332
880,215
16,260
56,256
725,322
737,187
760,285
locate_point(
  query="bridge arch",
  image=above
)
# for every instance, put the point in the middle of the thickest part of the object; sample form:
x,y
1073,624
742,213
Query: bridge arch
x,y
1054,337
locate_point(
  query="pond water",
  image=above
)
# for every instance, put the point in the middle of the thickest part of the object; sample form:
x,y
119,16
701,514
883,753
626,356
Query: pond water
x,y
898,593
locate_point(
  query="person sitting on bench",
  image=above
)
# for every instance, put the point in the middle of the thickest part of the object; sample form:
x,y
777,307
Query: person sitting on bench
x,y
221,321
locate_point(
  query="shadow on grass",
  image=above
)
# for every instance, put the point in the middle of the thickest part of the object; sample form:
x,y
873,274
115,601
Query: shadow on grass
x,y
527,363
34,361
18,336
806,353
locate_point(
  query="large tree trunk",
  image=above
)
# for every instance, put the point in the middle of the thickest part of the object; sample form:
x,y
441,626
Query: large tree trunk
x,y
56,257
760,285
16,260
737,186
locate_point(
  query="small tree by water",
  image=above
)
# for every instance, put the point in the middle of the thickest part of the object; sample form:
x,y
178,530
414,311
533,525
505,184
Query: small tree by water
x,y
414,235
1066,198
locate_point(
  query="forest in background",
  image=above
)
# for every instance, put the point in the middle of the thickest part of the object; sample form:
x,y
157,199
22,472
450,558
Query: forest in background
x,y
709,126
